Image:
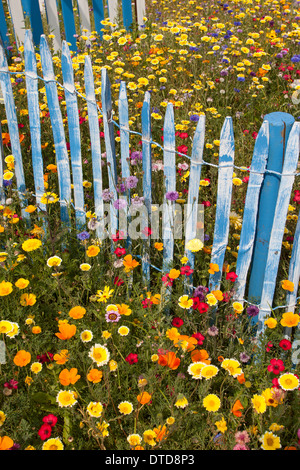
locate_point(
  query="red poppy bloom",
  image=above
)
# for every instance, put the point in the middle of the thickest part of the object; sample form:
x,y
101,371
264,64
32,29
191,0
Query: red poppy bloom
x,y
120,252
199,337
187,270
182,149
45,431
297,196
276,366
118,281
177,322
231,276
131,358
50,419
285,344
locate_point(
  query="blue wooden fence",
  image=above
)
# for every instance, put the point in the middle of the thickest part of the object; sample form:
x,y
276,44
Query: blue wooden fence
x,y
278,129
75,17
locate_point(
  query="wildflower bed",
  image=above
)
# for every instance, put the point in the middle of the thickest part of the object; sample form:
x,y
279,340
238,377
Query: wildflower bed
x,y
93,358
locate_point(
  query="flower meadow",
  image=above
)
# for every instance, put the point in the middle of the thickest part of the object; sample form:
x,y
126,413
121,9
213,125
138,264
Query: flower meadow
x,y
92,358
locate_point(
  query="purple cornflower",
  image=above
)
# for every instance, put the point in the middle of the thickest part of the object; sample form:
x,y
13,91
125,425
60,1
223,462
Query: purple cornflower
x,y
201,292
83,235
172,195
252,310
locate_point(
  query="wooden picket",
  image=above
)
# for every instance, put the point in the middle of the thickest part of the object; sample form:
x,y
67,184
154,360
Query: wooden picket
x,y
95,144
220,240
64,26
70,173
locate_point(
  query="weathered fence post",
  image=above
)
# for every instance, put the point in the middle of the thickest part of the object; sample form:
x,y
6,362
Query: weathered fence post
x,y
280,125
32,11
278,224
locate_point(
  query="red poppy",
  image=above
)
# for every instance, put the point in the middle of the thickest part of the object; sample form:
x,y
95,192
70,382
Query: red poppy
x,y
231,276
182,149
201,306
199,337
177,322
166,280
276,366
285,344
50,419
118,281
297,196
187,270
131,358
45,431
120,252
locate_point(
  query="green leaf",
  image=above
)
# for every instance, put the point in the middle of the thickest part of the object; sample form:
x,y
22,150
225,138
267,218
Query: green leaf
x,y
67,428
45,398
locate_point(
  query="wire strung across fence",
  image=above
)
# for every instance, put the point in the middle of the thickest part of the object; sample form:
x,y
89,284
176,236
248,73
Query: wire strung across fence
x,y
258,171
152,142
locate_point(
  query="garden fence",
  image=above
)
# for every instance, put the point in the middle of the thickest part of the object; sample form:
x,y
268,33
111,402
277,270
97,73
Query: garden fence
x,y
65,18
271,175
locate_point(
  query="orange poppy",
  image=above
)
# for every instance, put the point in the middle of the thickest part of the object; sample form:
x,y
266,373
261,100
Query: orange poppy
x,y
5,138
6,443
200,355
95,376
169,360
187,343
62,357
144,398
241,378
236,409
22,358
67,377
129,263
161,432
66,331
77,312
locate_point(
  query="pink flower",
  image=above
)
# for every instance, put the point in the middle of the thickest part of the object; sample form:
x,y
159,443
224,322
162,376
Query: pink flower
x,y
242,437
240,447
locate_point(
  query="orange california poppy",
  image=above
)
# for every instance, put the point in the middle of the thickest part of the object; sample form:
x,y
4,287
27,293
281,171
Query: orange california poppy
x,y
129,263
66,331
236,409
6,443
67,377
241,378
77,312
95,376
144,398
200,355
187,343
22,358
169,360
5,138
62,357
161,432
